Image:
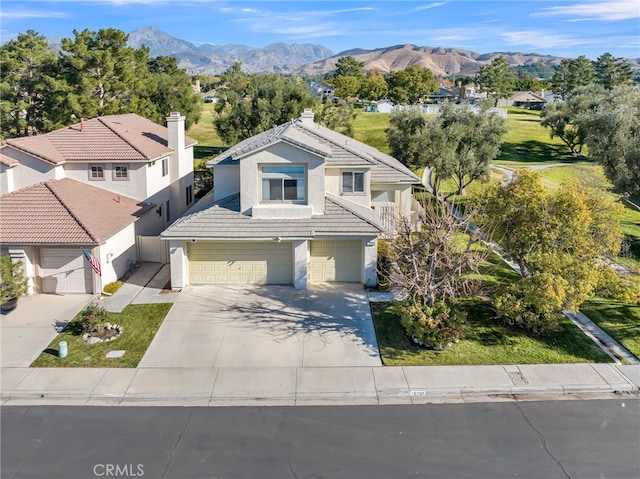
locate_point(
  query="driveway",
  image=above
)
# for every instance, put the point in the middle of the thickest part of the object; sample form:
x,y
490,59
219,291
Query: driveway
x,y
27,330
266,327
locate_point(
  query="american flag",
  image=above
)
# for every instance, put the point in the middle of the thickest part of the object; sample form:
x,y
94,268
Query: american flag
x,y
92,261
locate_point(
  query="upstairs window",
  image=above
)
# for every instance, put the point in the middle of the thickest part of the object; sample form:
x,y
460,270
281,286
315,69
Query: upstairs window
x,y
165,167
189,194
284,183
120,172
352,182
96,172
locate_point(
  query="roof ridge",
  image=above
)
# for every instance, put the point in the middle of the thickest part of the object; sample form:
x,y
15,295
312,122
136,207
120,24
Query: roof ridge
x,y
346,147
100,119
86,230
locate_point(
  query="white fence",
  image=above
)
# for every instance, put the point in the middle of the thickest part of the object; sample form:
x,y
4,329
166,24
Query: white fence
x,y
153,249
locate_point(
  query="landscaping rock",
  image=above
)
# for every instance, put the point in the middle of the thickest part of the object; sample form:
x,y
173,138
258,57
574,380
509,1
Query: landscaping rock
x,y
115,354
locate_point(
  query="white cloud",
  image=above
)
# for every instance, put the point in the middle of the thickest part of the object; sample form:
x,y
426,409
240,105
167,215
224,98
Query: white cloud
x,y
604,11
539,39
22,14
427,7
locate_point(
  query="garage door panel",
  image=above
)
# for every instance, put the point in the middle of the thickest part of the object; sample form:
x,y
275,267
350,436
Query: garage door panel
x,y
65,271
335,260
240,263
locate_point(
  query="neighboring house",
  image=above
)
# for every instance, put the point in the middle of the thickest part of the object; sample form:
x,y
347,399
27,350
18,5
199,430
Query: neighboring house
x,y
46,225
126,154
107,162
385,106
296,204
524,99
320,89
444,93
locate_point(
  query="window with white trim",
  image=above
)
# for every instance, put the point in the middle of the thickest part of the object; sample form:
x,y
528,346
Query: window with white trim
x,y
165,167
96,172
283,183
120,172
353,182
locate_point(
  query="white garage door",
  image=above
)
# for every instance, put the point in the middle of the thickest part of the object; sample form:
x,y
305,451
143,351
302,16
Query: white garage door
x,y
336,261
240,263
65,271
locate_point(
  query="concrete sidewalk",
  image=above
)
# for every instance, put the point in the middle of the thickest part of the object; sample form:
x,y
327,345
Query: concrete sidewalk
x,y
132,287
313,386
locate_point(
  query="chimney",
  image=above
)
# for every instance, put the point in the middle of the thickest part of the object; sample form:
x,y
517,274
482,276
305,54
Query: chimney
x,y
81,124
175,141
307,116
175,127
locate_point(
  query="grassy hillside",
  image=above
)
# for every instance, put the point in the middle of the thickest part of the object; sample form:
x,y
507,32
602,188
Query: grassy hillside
x,y
203,130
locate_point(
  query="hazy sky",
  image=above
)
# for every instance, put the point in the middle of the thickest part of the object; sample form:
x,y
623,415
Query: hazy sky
x,y
555,27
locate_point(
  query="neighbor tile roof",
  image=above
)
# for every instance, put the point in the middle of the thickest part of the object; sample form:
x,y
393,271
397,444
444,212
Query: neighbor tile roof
x,y
222,220
127,137
65,212
7,160
338,150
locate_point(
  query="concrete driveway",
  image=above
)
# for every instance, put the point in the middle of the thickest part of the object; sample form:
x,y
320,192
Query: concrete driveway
x,y
27,330
266,327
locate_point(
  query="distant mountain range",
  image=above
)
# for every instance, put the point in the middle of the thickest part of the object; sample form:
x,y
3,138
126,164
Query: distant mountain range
x,y
311,59
211,59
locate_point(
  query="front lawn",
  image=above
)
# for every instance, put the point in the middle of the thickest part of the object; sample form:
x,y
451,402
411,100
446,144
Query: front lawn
x,y
620,320
487,341
140,322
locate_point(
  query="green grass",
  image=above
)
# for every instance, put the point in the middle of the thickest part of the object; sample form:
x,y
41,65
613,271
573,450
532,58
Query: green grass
x,y
528,143
591,174
203,130
370,128
620,320
487,341
140,323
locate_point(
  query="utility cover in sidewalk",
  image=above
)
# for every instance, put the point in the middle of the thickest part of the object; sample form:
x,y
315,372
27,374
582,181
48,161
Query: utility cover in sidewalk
x,y
116,354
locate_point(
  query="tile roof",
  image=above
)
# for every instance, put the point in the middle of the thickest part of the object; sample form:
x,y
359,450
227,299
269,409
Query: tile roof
x,y
65,211
127,137
338,149
7,160
222,220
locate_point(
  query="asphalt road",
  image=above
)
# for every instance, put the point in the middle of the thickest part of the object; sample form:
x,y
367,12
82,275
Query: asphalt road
x,y
562,439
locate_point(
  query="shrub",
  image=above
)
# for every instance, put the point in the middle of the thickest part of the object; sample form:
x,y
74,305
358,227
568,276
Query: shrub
x,y
13,282
92,318
533,303
112,287
384,264
436,326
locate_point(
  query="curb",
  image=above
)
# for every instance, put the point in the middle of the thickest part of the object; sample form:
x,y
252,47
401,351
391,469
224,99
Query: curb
x,y
452,395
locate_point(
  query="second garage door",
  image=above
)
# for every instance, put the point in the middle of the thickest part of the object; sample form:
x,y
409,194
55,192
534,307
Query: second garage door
x,y
240,263
339,260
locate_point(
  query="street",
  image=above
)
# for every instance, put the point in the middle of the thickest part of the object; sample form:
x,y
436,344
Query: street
x,y
553,439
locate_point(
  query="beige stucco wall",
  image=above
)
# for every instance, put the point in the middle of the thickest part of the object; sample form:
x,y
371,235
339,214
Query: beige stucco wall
x,y
226,181
281,153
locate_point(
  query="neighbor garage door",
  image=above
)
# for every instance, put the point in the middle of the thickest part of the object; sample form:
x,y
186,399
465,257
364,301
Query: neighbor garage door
x,y
65,271
335,261
240,263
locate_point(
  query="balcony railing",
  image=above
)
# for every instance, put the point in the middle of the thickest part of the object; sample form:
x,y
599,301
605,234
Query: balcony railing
x,y
388,214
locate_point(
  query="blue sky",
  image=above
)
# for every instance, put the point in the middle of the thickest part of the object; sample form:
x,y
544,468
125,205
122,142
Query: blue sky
x,y
556,27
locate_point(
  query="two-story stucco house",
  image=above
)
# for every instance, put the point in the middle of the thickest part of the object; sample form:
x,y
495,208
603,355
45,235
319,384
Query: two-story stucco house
x,y
97,185
296,204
